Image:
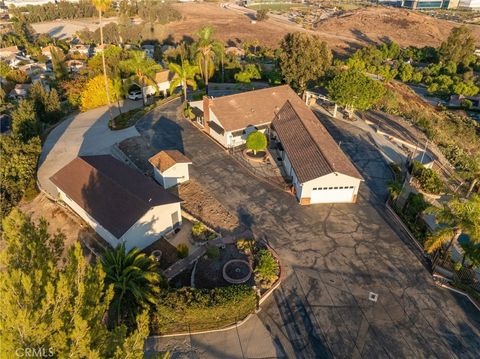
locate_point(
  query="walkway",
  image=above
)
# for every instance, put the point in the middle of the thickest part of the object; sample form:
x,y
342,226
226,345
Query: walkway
x,y
86,133
181,265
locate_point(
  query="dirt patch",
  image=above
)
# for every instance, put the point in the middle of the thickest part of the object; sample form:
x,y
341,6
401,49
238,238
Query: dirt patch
x,y
62,219
203,206
344,32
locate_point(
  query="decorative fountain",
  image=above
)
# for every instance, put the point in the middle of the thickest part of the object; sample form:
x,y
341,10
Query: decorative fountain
x,y
237,271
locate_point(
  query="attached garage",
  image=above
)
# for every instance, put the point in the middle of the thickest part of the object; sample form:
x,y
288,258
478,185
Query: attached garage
x,y
320,171
338,194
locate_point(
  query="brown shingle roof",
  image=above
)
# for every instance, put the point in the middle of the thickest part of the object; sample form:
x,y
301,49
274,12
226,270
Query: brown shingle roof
x,y
163,160
235,112
164,76
115,195
311,150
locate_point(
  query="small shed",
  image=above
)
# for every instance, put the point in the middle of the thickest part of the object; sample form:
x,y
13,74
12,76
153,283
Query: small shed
x,y
170,167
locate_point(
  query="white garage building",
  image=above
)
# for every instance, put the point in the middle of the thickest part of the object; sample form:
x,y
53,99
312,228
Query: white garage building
x,y
170,168
320,172
120,204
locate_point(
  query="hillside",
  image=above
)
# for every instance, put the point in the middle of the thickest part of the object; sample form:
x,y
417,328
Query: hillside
x,y
342,32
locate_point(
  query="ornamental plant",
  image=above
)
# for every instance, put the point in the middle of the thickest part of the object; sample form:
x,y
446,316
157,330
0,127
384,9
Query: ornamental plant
x,y
266,270
256,141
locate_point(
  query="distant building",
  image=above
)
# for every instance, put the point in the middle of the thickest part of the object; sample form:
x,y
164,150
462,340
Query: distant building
x,y
20,91
80,49
149,50
75,66
425,4
48,50
6,52
469,4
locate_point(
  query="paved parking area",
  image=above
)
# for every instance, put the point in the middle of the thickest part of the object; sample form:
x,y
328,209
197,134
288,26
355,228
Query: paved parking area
x,y
335,255
85,133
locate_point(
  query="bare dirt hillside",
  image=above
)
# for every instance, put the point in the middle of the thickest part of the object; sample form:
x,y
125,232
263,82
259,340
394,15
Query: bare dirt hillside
x,y
344,32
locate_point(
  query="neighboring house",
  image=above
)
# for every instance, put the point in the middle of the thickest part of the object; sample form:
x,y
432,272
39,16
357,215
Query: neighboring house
x,y
120,204
170,167
7,52
235,51
35,68
469,4
75,66
149,50
163,80
80,49
47,51
319,170
457,101
20,91
99,48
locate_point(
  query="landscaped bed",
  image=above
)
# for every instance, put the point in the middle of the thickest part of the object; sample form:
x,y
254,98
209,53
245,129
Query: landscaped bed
x,y
126,119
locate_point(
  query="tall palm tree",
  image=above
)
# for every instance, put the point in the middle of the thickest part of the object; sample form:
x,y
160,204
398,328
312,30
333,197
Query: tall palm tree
x,y
102,6
143,70
207,50
135,279
455,217
185,76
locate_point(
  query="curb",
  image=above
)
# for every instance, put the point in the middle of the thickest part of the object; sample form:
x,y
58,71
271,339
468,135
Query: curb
x,y
267,294
442,285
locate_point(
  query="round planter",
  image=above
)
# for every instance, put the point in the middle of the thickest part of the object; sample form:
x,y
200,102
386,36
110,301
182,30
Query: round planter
x,y
249,156
237,271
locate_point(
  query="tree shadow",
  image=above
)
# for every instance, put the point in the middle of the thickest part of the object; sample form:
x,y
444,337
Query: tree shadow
x,y
362,37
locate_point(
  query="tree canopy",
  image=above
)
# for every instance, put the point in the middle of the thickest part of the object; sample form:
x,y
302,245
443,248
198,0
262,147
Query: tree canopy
x,y
256,141
304,59
94,94
354,90
60,308
459,47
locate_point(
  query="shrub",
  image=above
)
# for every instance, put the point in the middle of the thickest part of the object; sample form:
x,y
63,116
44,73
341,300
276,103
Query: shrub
x,y
198,229
246,245
428,179
202,309
262,14
213,252
266,270
182,250
467,104
256,141
94,94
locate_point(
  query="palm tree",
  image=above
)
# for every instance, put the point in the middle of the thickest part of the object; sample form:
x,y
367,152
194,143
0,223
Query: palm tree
x,y
455,217
102,6
207,50
185,76
135,279
143,70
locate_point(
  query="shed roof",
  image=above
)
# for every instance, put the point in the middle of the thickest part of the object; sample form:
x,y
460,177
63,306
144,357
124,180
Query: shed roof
x,y
111,192
163,160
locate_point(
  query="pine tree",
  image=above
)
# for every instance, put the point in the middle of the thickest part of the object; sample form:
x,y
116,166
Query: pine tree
x,y
24,121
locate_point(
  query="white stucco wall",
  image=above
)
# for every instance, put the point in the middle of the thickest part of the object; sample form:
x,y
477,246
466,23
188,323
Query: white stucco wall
x,y
174,175
156,222
102,232
330,180
218,137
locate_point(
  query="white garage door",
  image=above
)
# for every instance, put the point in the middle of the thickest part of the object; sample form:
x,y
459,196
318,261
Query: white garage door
x,y
342,194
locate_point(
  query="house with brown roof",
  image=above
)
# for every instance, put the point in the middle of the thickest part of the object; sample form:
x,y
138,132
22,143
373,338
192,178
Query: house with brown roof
x,y
48,50
119,203
316,166
170,167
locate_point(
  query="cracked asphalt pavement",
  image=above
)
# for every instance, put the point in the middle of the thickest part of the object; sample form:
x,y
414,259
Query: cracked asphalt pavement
x,y
334,255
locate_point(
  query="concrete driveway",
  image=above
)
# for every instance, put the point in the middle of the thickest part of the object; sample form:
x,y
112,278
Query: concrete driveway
x,y
86,133
335,256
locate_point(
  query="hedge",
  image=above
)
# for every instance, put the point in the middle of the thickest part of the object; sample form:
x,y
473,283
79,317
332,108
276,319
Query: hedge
x,y
188,309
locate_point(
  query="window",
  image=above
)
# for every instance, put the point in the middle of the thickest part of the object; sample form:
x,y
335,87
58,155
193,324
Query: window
x,y
341,187
330,187
335,187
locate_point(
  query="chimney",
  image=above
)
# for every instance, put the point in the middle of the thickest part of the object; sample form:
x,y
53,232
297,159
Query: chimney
x,y
206,113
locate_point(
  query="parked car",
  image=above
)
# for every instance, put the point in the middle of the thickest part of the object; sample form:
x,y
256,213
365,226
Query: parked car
x,y
135,95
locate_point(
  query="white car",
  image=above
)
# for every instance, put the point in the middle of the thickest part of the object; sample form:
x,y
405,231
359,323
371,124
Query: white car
x,y
135,95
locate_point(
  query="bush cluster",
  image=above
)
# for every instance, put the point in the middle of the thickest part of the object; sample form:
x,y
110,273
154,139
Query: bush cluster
x,y
202,309
266,269
428,179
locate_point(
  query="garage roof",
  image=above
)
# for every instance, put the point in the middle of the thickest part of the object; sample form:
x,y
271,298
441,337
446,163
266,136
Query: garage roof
x,y
114,194
309,147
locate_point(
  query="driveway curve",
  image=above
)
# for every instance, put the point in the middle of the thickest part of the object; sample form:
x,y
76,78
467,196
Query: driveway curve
x,y
335,255
86,133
